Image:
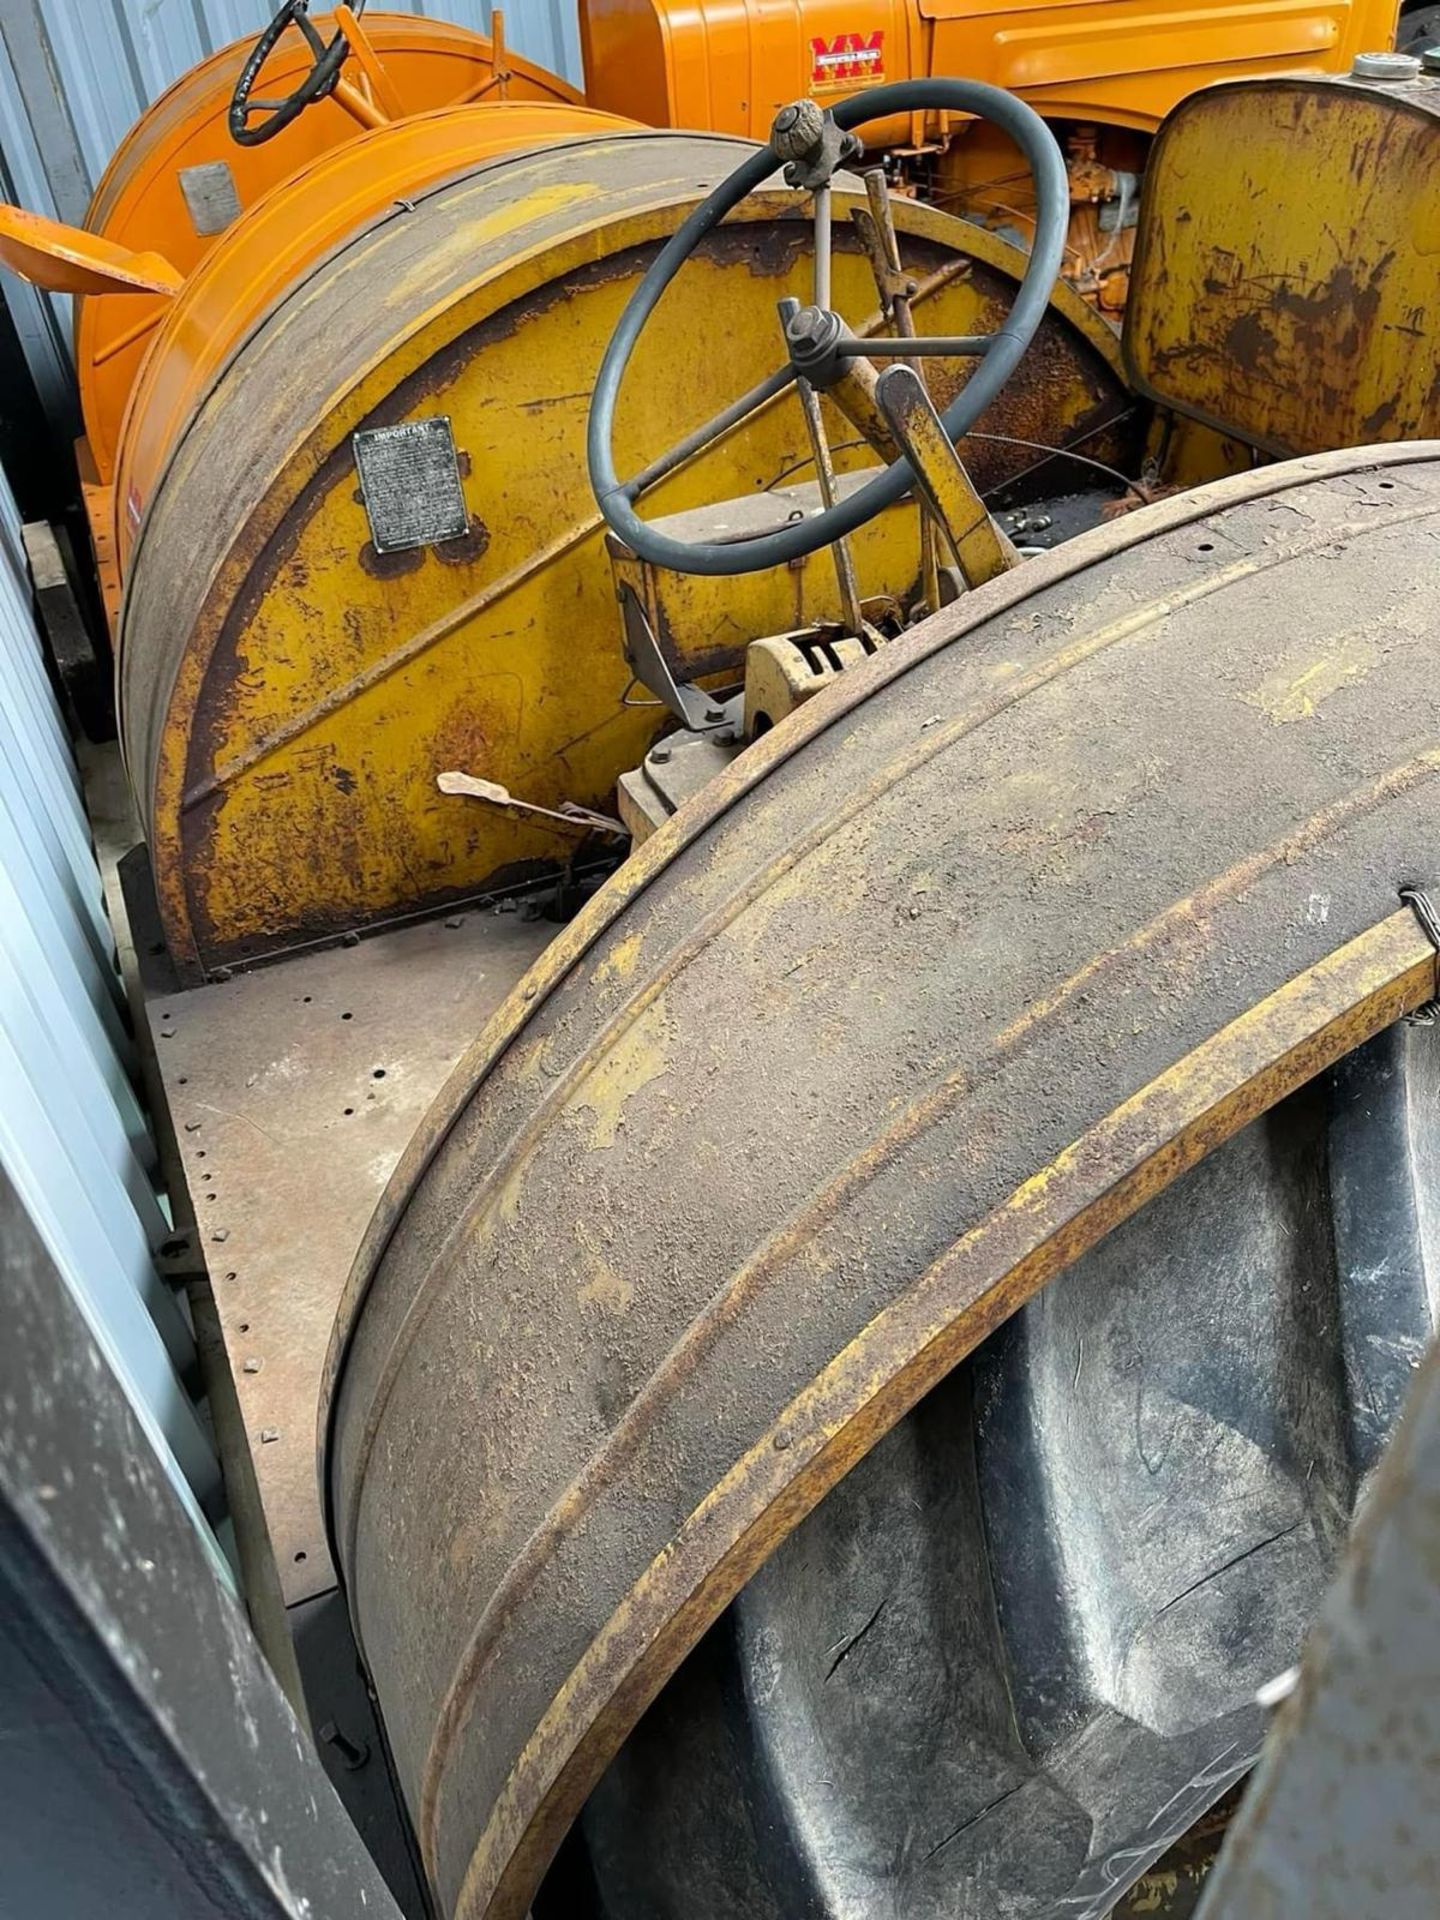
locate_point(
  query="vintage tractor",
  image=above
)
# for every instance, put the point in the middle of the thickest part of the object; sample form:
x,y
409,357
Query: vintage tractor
x,y
708,1458
860,1378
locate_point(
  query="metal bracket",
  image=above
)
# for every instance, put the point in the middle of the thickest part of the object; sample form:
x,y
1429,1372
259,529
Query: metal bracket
x,y
876,228
691,705
981,548
807,139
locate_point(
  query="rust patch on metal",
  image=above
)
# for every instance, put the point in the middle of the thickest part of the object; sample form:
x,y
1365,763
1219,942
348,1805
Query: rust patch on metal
x,y
391,566
1270,300
470,547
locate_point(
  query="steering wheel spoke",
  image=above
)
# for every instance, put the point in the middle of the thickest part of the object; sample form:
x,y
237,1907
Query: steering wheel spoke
x,y
948,346
822,348
703,436
310,32
381,89
823,235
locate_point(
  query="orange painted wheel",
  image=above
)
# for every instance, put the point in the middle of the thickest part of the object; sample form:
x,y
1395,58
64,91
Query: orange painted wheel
x,y
292,231
177,178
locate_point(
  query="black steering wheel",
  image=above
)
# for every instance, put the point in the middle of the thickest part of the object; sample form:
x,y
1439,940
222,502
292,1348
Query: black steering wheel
x,y
319,81
818,340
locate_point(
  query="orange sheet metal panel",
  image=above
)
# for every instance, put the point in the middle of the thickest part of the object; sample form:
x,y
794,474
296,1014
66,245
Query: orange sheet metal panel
x,y
142,201
727,65
297,226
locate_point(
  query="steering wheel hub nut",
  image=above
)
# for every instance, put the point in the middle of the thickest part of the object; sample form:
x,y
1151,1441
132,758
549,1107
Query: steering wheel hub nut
x,y
813,336
797,130
807,138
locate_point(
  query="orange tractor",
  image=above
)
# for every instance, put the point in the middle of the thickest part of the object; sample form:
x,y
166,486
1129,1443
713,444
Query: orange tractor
x,y
992,809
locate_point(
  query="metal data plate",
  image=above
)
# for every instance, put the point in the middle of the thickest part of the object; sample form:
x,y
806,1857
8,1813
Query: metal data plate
x,y
410,479
211,196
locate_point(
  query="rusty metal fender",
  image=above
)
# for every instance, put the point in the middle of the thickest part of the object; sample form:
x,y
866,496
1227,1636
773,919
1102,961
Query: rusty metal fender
x,y
945,978
287,695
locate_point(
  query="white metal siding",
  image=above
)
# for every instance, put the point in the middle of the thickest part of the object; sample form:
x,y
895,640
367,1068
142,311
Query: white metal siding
x,y
73,1138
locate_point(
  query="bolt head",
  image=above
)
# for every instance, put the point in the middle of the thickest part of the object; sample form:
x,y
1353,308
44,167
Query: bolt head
x,y
811,335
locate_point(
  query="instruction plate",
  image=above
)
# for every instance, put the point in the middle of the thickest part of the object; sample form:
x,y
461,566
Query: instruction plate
x,y
410,479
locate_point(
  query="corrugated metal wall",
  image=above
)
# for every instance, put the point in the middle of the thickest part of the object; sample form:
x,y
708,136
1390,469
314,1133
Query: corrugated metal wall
x,y
73,1138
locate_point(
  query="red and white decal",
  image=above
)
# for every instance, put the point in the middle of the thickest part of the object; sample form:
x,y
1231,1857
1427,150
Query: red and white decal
x,y
847,60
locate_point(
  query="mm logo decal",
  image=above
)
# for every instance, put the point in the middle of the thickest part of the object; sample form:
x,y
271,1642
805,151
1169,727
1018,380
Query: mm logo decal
x,y
847,59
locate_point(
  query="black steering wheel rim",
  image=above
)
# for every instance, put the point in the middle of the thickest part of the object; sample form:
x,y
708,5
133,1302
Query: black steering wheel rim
x,y
1047,169
324,72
